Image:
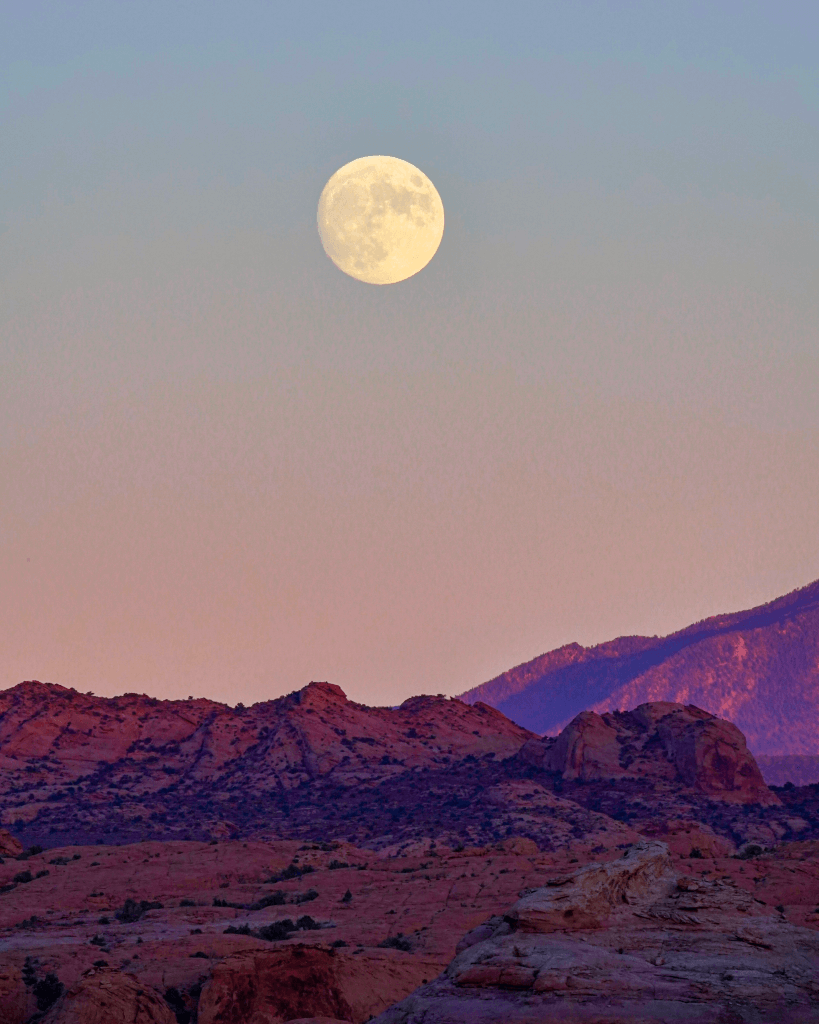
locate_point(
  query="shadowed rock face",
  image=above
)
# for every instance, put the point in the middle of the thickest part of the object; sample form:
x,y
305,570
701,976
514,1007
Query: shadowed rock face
x,y
628,941
16,1001
758,669
660,741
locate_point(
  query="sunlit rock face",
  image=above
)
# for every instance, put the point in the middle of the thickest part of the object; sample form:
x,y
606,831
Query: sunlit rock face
x,y
660,741
64,754
629,941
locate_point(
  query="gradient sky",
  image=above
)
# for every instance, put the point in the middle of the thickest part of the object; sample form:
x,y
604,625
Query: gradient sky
x,y
227,469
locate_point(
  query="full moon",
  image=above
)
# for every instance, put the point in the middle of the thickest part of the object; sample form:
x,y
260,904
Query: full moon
x,y
380,219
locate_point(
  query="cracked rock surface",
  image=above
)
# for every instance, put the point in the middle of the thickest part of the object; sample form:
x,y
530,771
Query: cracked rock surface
x,y
627,941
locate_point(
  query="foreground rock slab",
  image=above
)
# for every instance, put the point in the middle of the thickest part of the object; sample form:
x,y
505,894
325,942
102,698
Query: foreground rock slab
x,y
627,941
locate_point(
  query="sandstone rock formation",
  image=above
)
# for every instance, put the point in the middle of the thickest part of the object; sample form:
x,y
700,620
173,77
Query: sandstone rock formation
x,y
699,750
758,669
104,996
9,845
384,778
269,986
628,941
208,767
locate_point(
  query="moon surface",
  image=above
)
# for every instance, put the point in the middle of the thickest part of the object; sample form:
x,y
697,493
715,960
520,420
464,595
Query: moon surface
x,y
380,219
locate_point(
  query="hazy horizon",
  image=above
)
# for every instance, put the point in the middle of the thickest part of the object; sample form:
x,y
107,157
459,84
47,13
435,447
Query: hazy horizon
x,y
227,469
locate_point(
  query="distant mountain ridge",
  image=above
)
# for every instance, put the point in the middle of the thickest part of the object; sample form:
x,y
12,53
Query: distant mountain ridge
x,y
757,668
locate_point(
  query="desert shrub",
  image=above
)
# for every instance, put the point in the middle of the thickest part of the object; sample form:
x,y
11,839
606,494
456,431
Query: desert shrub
x,y
306,924
131,911
226,903
98,940
346,897
277,931
398,941
338,943
47,991
187,903
23,876
199,955
334,865
104,920
696,853
43,873
306,897
751,851
32,851
275,899
291,871
243,929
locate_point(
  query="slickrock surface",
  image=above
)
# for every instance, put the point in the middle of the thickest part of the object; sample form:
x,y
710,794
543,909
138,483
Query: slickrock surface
x,y
632,940
425,899
700,750
64,921
759,669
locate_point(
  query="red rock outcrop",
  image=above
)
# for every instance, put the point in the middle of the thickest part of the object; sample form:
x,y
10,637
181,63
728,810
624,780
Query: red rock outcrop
x,y
625,942
64,754
658,741
104,996
9,845
309,981
759,669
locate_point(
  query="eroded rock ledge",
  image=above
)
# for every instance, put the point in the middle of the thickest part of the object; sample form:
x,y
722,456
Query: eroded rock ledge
x,y
628,941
